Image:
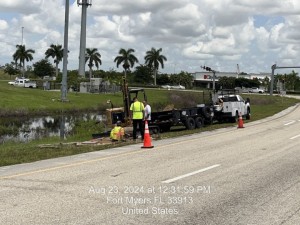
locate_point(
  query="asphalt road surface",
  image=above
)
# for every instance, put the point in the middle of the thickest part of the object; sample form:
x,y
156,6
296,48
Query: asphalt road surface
x,y
230,176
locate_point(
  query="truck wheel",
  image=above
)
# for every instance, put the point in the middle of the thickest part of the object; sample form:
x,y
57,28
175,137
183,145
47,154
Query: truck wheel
x,y
199,122
190,123
154,130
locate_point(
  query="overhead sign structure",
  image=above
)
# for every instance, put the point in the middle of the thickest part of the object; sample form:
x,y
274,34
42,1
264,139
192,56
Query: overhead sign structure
x,y
274,67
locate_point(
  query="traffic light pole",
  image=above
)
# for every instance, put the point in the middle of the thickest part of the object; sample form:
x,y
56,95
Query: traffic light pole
x,y
214,81
214,76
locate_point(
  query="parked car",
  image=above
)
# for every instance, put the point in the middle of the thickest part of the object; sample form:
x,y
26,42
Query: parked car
x,y
173,87
178,87
166,87
256,90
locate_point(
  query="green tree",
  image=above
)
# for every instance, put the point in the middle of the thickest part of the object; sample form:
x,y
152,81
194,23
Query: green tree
x,y
56,52
92,56
127,58
43,68
227,82
183,78
153,59
290,80
11,69
23,54
142,74
163,79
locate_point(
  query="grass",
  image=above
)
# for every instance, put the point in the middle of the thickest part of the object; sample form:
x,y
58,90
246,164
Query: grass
x,y
18,101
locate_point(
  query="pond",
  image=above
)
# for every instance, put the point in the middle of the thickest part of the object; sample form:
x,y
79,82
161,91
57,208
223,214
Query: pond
x,y
24,129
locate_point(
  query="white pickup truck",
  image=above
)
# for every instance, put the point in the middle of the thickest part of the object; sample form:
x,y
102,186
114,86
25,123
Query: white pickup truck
x,y
256,90
23,83
230,107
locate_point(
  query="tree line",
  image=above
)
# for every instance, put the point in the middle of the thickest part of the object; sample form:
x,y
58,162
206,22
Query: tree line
x,y
291,82
147,73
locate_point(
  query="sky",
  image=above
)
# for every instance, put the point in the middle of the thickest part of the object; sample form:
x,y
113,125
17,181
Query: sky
x,y
220,34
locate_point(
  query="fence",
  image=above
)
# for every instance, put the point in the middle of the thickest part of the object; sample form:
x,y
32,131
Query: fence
x,y
102,88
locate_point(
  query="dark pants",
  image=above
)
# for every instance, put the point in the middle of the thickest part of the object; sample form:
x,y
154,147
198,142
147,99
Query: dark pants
x,y
140,124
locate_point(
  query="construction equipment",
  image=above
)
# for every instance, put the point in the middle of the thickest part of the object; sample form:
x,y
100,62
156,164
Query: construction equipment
x,y
123,113
161,121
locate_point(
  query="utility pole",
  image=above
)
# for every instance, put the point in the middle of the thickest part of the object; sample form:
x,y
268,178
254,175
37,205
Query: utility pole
x,y
64,85
22,35
237,70
84,4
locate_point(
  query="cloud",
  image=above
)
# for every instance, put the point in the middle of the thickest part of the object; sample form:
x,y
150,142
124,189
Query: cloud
x,y
253,34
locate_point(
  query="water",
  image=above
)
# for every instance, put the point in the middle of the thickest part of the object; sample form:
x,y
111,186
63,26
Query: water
x,y
24,129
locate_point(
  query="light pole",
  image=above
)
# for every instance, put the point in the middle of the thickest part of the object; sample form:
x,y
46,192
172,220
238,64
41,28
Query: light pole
x,y
22,35
84,4
65,55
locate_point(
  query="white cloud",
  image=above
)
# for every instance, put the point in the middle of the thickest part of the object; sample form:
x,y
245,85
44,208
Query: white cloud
x,y
253,34
3,25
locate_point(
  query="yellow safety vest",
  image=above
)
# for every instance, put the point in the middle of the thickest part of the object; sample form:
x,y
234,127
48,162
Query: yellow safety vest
x,y
137,109
117,133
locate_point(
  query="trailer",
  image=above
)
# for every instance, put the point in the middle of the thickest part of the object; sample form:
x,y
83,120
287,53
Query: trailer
x,y
191,118
161,121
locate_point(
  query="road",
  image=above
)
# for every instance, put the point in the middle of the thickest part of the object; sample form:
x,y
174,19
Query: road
x,y
229,176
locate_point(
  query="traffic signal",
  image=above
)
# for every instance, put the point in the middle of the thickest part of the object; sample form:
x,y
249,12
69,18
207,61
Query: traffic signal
x,y
206,68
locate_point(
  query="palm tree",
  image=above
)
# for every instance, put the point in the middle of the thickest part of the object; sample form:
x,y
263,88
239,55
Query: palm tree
x,y
127,58
21,55
56,52
93,57
153,59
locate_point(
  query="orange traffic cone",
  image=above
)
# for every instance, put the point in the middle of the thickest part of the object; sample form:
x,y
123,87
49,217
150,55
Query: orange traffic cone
x,y
240,122
147,138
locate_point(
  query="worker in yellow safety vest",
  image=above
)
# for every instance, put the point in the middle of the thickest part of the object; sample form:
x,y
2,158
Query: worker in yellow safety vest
x,y
137,115
117,133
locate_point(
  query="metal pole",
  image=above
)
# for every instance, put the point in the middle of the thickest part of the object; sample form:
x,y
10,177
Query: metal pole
x,y
65,55
214,81
272,79
81,69
22,35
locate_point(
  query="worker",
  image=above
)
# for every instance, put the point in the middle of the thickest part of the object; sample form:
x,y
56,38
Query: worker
x,y
147,111
137,116
117,133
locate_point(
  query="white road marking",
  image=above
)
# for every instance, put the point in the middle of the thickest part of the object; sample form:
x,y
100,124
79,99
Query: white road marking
x,y
295,137
289,123
190,174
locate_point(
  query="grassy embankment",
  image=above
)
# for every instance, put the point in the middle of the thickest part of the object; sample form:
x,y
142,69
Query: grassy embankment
x,y
21,101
